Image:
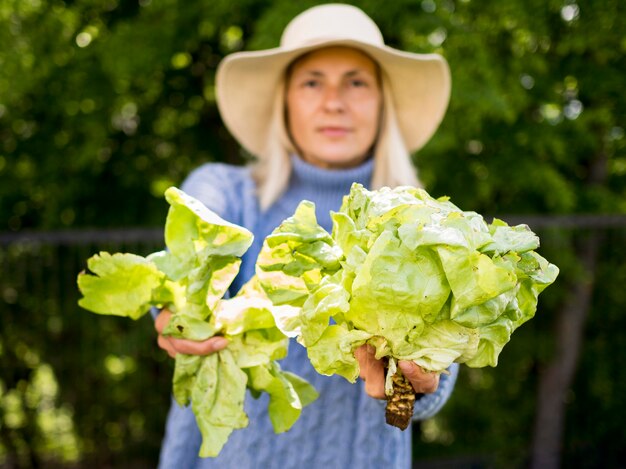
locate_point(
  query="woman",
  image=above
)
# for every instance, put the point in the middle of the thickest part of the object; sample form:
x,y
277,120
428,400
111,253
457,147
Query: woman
x,y
331,106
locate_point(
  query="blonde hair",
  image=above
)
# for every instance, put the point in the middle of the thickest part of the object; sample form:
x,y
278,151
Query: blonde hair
x,y
392,161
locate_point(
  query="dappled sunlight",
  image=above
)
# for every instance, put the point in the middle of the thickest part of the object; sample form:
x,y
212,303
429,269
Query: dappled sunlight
x,y
570,12
58,435
232,38
572,107
434,431
34,419
119,366
480,379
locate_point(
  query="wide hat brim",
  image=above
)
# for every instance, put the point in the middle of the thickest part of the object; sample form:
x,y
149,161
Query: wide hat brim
x,y
246,84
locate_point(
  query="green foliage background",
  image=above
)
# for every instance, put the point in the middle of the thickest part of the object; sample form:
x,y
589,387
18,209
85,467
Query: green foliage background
x,y
106,103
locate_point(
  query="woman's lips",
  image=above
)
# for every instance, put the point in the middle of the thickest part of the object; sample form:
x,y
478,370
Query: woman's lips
x,y
334,132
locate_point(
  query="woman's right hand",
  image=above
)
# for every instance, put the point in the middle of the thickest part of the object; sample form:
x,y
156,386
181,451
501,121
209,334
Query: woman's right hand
x,y
189,347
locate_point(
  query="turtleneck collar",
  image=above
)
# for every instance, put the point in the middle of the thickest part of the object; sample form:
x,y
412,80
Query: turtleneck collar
x,y
308,174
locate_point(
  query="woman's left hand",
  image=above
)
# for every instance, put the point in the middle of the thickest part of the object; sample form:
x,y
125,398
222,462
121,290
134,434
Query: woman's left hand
x,y
372,371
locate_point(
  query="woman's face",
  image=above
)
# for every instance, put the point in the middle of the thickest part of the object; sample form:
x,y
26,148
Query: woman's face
x,y
334,106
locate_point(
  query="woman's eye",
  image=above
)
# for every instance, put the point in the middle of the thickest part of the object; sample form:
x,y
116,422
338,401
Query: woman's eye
x,y
311,84
358,83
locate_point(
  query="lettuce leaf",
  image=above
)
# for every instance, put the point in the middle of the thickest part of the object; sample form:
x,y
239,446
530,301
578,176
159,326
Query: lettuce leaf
x,y
217,398
121,284
288,394
295,257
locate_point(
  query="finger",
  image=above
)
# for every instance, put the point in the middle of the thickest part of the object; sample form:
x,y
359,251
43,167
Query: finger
x,y
372,371
422,381
360,354
366,356
165,345
162,319
205,347
375,384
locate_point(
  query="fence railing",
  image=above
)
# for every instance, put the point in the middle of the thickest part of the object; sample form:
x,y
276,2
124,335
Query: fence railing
x,y
150,235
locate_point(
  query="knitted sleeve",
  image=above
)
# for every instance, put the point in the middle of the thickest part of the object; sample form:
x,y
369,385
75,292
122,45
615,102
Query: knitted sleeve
x,y
430,404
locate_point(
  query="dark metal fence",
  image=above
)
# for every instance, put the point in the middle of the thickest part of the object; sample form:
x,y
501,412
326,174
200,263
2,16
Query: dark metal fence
x,y
76,390
155,235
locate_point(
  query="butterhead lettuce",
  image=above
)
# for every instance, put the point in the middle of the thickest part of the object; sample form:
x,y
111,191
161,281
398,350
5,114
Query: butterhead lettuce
x,y
190,278
414,276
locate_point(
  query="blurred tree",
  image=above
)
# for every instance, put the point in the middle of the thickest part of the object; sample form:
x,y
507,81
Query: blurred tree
x,y
120,95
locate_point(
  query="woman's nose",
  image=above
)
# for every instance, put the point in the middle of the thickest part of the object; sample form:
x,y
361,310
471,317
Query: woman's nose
x,y
333,100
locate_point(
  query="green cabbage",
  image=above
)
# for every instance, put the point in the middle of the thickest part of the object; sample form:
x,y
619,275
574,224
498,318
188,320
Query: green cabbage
x,y
416,277
190,278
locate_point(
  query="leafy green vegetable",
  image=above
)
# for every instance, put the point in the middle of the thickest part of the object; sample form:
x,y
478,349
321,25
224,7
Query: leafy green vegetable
x,y
416,277
190,278
123,285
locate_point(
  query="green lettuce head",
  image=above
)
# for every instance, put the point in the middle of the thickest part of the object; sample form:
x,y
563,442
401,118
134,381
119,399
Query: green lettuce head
x,y
416,277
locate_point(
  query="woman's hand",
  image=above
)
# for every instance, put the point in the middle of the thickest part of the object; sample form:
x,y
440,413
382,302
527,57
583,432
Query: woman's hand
x,y
372,371
190,347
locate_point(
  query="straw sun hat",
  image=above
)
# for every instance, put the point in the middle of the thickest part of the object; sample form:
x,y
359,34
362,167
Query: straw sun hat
x,y
246,81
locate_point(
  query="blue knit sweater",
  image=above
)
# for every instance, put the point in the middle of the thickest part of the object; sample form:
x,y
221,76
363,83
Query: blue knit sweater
x,y
344,428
